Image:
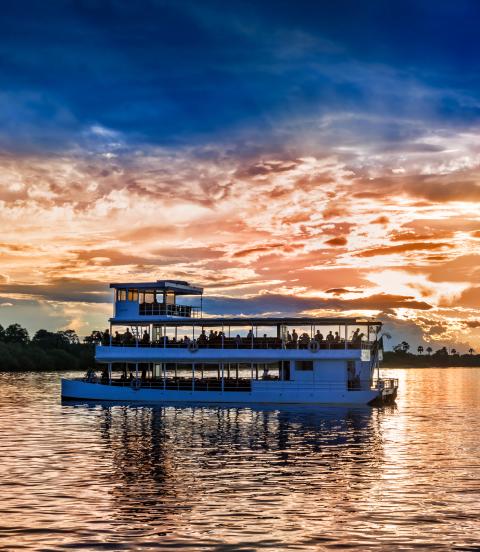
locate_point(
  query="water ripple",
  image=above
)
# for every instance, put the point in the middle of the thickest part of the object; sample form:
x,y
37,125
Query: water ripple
x,y
118,477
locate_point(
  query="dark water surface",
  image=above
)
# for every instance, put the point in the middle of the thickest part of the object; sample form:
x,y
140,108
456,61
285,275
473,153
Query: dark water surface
x,y
208,478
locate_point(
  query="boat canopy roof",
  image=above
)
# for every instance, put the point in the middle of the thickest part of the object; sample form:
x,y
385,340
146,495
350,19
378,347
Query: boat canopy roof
x,y
253,321
177,286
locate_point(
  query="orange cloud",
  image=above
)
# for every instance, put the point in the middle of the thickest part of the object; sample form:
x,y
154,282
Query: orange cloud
x,y
402,248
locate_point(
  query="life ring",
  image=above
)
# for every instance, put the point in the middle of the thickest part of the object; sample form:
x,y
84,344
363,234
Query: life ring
x,y
135,384
193,346
314,346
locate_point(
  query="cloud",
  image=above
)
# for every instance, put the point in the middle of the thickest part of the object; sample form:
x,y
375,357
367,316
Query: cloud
x,y
340,241
67,290
402,248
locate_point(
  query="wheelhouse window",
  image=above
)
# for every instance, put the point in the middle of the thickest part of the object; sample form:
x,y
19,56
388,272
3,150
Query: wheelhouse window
x,y
304,365
121,295
170,298
149,297
133,295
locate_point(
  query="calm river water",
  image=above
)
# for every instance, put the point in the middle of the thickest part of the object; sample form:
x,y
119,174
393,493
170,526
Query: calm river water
x,y
143,478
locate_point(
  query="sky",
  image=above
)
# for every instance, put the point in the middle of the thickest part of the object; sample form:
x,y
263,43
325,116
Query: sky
x,y
291,157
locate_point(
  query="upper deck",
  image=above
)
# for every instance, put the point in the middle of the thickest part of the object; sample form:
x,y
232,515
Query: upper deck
x,y
154,301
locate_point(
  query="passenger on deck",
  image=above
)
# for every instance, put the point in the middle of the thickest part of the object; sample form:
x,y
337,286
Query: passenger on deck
x,y
330,337
318,336
337,337
304,340
145,338
128,337
202,339
355,334
289,337
295,338
186,341
265,341
118,338
211,336
106,337
238,341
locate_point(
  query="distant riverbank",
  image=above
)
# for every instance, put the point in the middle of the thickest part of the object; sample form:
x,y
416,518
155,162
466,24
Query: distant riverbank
x,y
409,360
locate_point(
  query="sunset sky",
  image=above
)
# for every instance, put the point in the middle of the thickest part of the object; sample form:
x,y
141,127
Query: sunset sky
x,y
291,157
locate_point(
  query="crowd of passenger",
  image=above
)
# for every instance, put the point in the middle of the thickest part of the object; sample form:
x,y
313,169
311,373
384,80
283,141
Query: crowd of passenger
x,y
217,339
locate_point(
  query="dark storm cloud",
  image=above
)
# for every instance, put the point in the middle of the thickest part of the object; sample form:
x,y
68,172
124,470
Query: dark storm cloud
x,y
270,303
167,72
61,289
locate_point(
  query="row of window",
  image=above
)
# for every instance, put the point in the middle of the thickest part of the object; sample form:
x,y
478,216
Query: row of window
x,y
148,296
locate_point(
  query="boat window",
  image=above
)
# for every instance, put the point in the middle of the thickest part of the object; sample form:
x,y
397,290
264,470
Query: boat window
x,y
141,297
149,296
133,295
121,294
170,298
158,296
304,365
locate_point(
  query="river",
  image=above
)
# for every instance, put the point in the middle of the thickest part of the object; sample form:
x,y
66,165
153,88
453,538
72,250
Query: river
x,y
103,477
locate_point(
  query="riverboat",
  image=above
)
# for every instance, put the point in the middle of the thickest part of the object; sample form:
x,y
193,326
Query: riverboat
x,y
162,349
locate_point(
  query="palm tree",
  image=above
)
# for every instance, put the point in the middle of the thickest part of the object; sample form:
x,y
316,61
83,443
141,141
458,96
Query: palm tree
x,y
405,346
454,351
420,349
429,350
471,351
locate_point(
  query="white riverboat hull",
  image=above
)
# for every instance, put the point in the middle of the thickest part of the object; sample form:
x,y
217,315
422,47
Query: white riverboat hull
x,y
272,393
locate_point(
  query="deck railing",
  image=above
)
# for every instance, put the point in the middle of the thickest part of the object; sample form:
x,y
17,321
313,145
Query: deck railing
x,y
232,343
229,385
386,383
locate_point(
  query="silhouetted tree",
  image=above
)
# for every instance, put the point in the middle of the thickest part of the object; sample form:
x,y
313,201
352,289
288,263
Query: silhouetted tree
x,y
16,334
70,336
2,333
454,351
420,349
429,350
471,351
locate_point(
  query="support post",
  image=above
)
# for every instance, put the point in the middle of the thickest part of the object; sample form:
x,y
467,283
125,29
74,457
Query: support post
x,y
109,373
223,377
136,370
193,376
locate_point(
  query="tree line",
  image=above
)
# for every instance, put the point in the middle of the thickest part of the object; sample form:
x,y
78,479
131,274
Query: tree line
x,y
426,356
46,350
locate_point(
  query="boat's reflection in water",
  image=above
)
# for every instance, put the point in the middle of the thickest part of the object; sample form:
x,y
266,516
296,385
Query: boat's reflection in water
x,y
238,471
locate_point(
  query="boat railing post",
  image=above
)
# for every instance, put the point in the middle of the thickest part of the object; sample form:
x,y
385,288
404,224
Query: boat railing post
x,y
223,337
109,373
223,377
193,376
346,337
164,336
252,337
136,370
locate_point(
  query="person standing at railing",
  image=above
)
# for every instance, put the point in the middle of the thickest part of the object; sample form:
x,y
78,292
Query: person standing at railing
x,y
295,339
238,341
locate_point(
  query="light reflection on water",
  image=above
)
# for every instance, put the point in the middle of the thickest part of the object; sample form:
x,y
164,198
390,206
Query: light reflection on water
x,y
144,478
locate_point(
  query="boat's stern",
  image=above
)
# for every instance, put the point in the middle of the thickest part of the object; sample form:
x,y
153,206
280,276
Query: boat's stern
x,y
387,389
